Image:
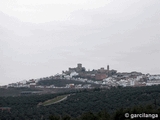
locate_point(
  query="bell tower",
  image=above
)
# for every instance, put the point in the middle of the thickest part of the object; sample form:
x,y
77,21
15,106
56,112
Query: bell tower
x,y
108,68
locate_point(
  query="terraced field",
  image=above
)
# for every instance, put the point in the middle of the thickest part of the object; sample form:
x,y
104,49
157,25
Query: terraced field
x,y
54,100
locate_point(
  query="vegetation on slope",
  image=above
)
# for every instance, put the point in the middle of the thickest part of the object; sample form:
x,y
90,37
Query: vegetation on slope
x,y
147,112
94,101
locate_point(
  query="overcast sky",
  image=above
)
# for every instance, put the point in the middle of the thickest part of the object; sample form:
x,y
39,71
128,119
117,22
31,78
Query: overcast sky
x,y
39,38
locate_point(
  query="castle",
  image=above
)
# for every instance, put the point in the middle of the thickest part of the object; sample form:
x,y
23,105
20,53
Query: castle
x,y
99,74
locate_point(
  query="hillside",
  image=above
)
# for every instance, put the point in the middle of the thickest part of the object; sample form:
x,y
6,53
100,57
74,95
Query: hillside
x,y
63,82
25,107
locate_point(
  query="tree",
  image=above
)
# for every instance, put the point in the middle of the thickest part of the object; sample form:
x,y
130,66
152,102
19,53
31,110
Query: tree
x,y
88,116
54,117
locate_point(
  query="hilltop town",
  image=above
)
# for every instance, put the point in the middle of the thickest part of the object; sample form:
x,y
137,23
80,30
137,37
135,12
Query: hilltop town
x,y
105,78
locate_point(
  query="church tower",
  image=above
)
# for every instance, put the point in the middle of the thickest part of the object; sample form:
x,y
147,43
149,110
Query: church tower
x,y
108,68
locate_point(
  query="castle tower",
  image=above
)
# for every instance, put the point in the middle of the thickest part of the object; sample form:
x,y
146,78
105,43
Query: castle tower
x,y
79,65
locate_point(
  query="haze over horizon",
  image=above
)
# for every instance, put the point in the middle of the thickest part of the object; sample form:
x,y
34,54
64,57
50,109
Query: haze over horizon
x,y
41,38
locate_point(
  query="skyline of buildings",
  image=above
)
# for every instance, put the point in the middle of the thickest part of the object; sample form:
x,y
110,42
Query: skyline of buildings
x,y
100,76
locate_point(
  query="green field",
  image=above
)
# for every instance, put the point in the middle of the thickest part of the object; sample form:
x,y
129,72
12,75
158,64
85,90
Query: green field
x,y
54,100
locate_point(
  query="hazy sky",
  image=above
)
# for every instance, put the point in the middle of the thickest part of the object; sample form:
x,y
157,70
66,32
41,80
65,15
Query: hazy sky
x,y
39,38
